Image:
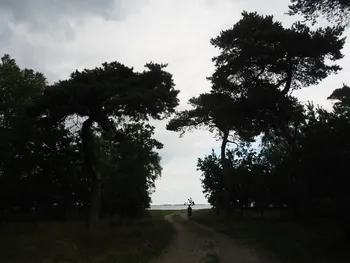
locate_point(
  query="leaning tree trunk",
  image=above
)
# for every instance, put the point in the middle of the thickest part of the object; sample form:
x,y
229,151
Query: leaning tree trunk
x,y
224,164
92,174
223,151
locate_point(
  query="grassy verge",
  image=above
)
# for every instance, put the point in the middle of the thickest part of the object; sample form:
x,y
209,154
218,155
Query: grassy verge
x,y
291,241
70,242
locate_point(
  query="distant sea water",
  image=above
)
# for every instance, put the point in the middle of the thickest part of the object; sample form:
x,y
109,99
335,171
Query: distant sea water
x,y
179,207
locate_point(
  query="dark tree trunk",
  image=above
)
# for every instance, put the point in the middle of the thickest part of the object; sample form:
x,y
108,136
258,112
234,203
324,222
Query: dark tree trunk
x,y
224,164
281,211
262,212
346,224
94,213
92,174
223,151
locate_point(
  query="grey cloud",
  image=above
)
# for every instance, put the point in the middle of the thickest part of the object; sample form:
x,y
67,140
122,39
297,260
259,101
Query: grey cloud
x,y
5,30
40,12
36,32
64,15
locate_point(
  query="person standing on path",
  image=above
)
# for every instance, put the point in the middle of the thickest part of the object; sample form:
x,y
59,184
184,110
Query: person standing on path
x,y
189,208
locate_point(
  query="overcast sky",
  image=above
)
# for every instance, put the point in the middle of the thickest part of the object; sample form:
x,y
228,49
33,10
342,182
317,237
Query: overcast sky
x,y
59,36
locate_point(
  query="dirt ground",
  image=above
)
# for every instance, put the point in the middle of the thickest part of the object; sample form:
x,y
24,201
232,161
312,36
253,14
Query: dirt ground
x,y
194,243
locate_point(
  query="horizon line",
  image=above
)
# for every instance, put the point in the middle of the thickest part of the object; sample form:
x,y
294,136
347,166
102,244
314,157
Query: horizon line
x,y
176,204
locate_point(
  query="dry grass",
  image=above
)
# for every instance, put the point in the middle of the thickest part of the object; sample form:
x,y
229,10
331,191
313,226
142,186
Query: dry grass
x,y
70,242
293,241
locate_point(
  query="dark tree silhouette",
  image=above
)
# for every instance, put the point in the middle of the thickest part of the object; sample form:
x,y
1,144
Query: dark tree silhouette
x,y
112,90
333,10
129,168
44,163
35,161
259,65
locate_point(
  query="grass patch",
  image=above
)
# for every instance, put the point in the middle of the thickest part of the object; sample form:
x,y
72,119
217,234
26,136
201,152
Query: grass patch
x,y
291,241
66,242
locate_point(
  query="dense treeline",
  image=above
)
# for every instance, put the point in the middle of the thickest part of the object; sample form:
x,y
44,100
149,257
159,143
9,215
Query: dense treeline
x,y
310,179
300,166
57,164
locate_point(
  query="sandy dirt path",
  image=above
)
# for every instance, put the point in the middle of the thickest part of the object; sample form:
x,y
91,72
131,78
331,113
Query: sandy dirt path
x,y
194,243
